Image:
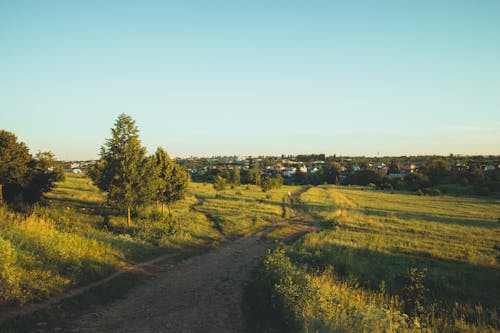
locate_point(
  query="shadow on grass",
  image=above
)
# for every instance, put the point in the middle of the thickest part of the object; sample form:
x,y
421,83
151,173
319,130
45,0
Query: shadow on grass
x,y
463,221
447,281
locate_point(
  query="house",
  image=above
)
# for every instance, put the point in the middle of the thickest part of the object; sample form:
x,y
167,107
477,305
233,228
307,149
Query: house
x,y
408,167
489,168
290,171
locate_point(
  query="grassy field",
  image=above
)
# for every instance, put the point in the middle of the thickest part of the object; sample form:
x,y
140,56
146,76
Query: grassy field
x,y
74,239
353,276
242,209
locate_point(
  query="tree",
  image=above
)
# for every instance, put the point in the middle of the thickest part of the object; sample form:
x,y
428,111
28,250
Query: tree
x,y
14,159
416,181
369,176
235,176
394,167
253,175
123,170
269,183
24,179
219,183
331,172
437,170
266,184
43,173
172,179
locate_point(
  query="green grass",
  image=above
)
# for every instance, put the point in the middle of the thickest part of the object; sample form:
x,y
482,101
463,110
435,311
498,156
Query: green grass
x,y
65,243
243,209
357,266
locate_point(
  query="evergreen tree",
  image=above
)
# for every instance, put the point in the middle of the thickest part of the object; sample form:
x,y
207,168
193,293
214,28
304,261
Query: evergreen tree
x,y
124,171
172,179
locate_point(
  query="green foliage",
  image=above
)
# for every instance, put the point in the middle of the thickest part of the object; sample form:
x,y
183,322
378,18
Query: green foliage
x,y
317,301
331,172
219,183
14,159
65,243
416,181
172,180
413,292
124,172
367,176
372,256
437,170
269,183
235,176
253,175
24,179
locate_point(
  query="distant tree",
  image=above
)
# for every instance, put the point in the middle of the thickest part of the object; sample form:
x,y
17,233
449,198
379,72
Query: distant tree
x,y
43,173
368,176
476,175
416,181
219,183
235,177
331,172
277,181
269,183
437,170
124,171
394,167
266,184
364,165
172,180
14,159
253,175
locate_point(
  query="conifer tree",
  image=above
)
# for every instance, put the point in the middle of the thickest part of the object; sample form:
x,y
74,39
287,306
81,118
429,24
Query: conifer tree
x,y
172,180
124,171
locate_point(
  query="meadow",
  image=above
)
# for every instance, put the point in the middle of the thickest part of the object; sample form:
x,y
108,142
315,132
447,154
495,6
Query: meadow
x,y
390,262
73,238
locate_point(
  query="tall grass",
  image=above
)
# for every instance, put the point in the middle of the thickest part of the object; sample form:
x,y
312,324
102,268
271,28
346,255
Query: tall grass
x,y
66,243
369,242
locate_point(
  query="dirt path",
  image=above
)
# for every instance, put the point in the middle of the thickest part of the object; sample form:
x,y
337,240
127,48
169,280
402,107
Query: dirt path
x,y
200,294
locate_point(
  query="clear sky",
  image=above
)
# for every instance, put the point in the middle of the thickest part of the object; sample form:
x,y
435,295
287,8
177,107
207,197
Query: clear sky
x,y
254,77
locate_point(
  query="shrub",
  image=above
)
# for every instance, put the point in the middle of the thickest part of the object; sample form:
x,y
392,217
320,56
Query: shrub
x,y
219,183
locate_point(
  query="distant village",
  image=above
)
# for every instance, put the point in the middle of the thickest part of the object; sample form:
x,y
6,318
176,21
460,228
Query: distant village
x,y
292,165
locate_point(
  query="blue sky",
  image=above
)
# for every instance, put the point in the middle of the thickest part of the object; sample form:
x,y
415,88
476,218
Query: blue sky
x,y
254,77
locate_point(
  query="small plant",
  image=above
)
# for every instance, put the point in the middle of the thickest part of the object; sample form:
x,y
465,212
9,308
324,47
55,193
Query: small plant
x,y
413,293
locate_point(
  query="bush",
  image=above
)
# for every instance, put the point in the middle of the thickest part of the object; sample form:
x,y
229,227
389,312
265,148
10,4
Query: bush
x,y
219,183
431,191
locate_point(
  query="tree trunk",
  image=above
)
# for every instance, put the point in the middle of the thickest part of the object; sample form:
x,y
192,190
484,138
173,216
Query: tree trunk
x,y
128,216
162,208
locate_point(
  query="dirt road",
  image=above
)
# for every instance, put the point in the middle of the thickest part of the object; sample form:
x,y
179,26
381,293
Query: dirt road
x,y
200,294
